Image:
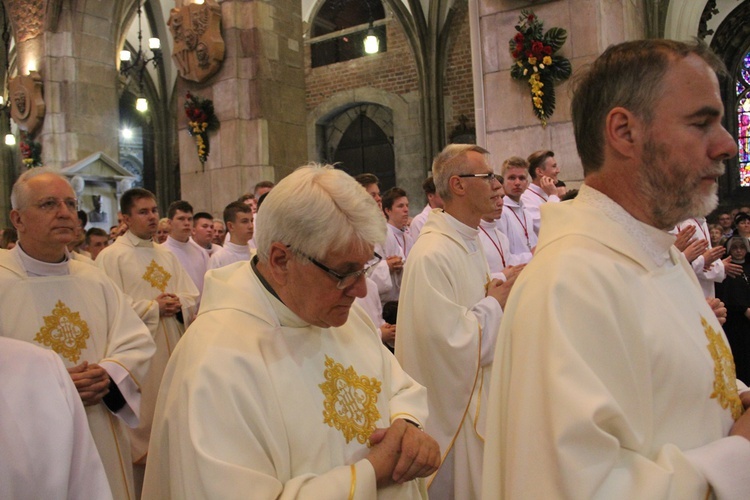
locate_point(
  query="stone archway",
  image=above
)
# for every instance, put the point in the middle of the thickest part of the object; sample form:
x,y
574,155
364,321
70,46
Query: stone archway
x,y
408,141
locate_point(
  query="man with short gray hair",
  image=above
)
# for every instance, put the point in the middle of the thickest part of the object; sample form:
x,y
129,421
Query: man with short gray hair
x,y
280,388
71,307
452,312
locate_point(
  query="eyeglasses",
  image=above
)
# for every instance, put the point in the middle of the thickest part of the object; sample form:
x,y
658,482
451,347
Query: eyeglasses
x,y
51,204
344,280
489,176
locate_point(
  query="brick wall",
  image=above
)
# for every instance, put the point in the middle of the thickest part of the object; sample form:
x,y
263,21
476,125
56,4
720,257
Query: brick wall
x,y
391,71
458,88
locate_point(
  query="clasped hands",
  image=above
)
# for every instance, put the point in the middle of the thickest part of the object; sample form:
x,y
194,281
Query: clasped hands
x,y
91,381
401,453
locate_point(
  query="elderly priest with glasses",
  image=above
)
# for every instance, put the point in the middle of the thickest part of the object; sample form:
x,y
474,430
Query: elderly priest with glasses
x,y
280,388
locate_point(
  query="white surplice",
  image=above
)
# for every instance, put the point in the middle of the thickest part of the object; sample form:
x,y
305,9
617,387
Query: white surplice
x,y
257,403
715,273
533,199
497,249
192,257
613,378
518,226
144,270
77,311
229,254
418,222
447,330
48,451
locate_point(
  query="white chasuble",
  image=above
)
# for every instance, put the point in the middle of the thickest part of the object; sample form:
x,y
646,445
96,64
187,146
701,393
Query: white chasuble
x,y
441,341
48,451
83,316
256,403
143,271
613,378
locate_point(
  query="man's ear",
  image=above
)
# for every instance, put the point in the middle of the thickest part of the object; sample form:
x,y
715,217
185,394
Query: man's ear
x,y
279,257
229,226
456,186
623,132
17,221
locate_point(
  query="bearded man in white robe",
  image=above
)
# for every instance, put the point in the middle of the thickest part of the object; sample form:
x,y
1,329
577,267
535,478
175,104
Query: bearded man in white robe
x,y
613,377
450,316
73,308
281,388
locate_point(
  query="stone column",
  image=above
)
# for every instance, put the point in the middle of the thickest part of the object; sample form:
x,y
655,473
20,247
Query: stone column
x,y
511,127
76,59
259,99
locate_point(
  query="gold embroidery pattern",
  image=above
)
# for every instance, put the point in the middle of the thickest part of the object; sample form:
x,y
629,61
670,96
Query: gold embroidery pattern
x,y
64,332
157,276
350,404
725,379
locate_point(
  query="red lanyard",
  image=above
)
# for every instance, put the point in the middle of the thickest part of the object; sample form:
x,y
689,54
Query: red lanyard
x,y
523,225
539,195
498,247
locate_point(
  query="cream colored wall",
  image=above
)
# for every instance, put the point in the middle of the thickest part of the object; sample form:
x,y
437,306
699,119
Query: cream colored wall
x,y
510,126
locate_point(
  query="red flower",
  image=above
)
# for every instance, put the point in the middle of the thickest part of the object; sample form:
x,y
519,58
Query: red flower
x,y
531,18
547,50
537,48
517,53
518,38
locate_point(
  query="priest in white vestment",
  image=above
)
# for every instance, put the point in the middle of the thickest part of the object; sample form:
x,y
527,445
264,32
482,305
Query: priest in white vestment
x,y
451,312
282,389
613,378
74,309
48,451
238,217
163,296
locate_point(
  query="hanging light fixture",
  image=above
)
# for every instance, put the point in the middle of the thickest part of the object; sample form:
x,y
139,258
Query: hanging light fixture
x,y
135,65
372,42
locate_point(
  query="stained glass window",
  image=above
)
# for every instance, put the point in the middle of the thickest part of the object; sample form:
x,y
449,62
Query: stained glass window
x,y
743,121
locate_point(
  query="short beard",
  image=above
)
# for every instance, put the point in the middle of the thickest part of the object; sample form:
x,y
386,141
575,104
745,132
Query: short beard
x,y
673,200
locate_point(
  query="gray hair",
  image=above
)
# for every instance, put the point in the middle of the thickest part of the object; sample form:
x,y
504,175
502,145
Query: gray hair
x,y
317,210
19,195
449,162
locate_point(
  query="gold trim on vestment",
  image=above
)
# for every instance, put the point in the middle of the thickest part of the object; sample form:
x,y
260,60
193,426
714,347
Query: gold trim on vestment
x,y
157,276
64,331
350,401
466,410
725,378
353,487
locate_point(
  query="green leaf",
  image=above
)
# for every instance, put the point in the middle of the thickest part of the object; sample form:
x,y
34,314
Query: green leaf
x,y
560,69
516,72
548,102
555,38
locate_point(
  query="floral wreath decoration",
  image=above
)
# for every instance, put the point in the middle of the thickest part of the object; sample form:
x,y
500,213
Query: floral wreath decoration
x,y
201,120
536,61
31,151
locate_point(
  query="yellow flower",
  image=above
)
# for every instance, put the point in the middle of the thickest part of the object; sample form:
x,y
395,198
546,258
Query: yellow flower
x,y
547,60
537,102
532,60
